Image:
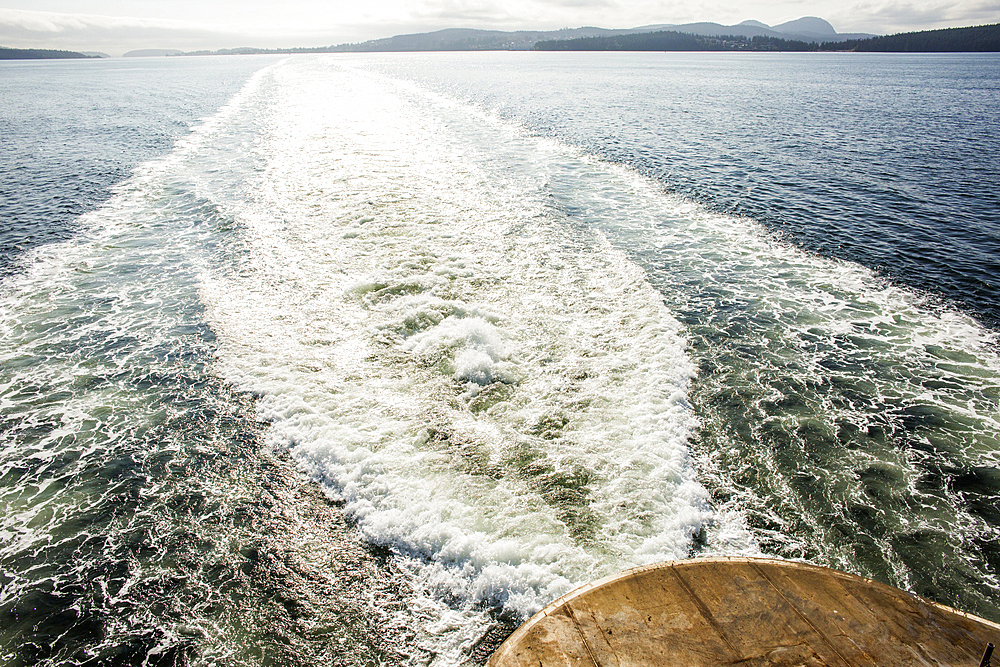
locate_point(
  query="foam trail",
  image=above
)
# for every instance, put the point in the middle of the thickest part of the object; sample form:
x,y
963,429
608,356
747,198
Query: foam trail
x,y
491,390
141,516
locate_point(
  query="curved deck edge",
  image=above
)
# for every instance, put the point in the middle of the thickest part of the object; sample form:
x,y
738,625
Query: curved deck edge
x,y
745,611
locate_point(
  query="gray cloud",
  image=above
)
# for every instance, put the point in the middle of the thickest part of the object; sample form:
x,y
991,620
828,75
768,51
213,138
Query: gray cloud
x,y
895,17
506,15
988,11
54,23
581,4
103,33
471,11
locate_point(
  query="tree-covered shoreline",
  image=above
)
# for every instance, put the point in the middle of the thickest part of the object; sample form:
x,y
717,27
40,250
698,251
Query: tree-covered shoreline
x,y
976,39
670,40
950,40
38,54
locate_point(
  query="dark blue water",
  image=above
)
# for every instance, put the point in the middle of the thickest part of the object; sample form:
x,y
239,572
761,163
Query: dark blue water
x,y
70,132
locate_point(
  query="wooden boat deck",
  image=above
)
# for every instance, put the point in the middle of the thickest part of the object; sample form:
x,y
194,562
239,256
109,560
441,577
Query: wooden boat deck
x,y
747,612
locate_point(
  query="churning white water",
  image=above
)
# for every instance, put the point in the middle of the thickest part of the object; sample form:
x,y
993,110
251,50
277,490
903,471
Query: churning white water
x,y
491,389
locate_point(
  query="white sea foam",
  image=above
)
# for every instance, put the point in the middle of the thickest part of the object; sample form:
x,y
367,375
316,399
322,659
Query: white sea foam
x,y
496,393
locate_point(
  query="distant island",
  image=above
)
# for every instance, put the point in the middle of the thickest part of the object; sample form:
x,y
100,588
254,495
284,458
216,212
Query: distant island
x,y
152,53
805,34
40,54
671,40
951,40
806,29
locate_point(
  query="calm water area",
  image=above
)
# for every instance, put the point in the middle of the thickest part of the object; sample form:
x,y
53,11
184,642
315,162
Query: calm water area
x,y
362,359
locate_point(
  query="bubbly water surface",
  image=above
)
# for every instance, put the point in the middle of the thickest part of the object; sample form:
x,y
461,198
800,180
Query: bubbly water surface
x,y
371,365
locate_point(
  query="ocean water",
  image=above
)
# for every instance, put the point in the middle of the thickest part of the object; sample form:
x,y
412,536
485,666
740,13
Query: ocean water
x,y
70,134
362,359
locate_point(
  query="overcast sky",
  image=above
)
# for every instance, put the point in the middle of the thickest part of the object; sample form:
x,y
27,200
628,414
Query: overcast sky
x,y
116,26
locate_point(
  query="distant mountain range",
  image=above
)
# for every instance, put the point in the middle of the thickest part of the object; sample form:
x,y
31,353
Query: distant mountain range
x,y
806,29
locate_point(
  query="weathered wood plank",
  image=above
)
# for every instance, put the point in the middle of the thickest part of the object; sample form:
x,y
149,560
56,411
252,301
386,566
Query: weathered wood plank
x,y
748,612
